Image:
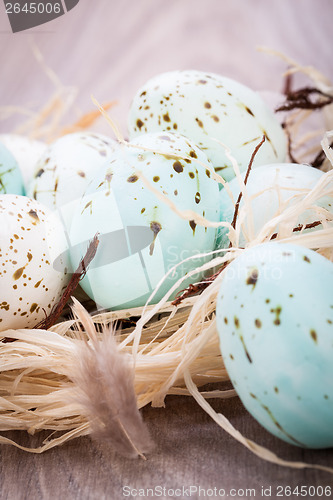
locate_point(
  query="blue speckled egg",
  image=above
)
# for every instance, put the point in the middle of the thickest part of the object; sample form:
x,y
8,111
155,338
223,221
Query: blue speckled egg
x,y
210,109
141,238
26,152
275,322
271,189
67,166
11,181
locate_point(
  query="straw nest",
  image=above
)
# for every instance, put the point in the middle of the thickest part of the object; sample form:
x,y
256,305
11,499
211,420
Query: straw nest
x,y
170,349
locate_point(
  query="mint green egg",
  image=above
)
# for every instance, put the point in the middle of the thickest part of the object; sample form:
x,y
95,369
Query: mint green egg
x,y
270,189
11,181
275,323
141,237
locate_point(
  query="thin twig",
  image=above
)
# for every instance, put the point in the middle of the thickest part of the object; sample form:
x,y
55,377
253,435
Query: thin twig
x,y
72,285
287,84
204,283
301,99
289,141
234,219
320,158
300,227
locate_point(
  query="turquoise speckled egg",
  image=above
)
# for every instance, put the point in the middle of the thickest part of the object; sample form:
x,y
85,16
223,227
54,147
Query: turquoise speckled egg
x,y
210,109
270,188
275,322
141,238
11,181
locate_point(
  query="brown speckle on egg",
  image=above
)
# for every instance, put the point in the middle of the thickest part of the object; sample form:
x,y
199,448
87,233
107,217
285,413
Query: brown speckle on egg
x,y
178,167
314,336
18,273
33,214
193,226
252,277
132,178
156,228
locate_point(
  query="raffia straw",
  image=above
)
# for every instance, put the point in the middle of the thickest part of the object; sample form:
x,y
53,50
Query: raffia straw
x,y
46,123
320,80
175,348
297,119
258,450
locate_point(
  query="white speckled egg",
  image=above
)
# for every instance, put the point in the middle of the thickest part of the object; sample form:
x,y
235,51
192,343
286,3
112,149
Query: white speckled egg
x,y
31,240
66,167
204,107
26,152
10,175
275,321
271,188
141,238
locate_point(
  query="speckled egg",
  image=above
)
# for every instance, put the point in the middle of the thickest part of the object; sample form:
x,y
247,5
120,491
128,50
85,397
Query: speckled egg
x,y
275,321
31,240
271,189
66,167
210,109
26,152
10,175
141,238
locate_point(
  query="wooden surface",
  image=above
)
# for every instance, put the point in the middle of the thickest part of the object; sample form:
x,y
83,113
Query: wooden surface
x,y
109,48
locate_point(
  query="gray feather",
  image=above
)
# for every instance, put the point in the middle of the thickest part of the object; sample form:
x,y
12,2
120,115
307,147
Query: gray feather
x,y
104,377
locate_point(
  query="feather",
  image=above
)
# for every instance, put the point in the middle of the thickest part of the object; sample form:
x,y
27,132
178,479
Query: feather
x,y
104,377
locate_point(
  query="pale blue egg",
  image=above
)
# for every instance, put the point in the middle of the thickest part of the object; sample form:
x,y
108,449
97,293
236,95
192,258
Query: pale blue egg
x,y
66,167
141,238
275,322
26,152
270,189
11,181
213,111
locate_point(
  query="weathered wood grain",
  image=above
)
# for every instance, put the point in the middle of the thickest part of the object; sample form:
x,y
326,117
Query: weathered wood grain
x,y
110,48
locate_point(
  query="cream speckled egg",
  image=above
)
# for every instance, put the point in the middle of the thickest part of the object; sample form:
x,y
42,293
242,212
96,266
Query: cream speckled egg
x,y
26,152
66,167
10,175
205,107
31,239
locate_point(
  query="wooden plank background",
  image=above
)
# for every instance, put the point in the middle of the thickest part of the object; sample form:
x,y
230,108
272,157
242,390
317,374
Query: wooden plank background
x,y
109,48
